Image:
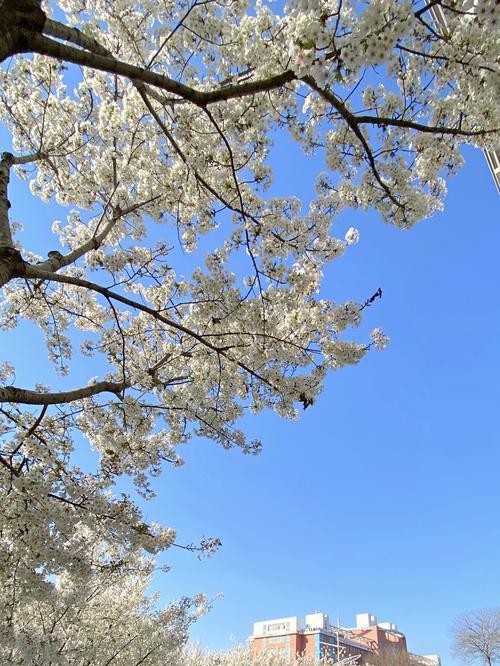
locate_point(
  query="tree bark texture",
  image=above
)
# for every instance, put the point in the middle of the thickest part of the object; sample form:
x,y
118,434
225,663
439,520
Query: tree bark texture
x,y
19,18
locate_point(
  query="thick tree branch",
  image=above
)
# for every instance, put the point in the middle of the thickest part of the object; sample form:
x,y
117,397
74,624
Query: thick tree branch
x,y
45,46
64,32
48,47
75,36
29,397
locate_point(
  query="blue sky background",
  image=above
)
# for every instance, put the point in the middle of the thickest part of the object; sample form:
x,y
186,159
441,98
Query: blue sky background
x,y
384,497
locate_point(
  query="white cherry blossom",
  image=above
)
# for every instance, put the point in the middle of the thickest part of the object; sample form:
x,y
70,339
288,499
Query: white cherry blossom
x,y
151,125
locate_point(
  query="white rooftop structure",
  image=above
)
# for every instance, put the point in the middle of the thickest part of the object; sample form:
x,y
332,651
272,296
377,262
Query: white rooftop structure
x,y
365,620
281,625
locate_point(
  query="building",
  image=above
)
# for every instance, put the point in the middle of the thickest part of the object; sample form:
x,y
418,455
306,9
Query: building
x,y
314,635
380,636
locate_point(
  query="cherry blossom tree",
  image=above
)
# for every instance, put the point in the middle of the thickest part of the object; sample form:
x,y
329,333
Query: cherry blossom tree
x,y
150,124
244,657
101,619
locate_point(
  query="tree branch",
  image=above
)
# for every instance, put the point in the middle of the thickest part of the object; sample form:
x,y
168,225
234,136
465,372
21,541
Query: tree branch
x,y
74,35
58,261
35,272
43,45
351,120
427,7
426,129
29,397
144,92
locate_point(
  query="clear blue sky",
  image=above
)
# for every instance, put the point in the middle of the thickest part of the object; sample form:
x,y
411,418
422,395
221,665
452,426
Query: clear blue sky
x,y
384,497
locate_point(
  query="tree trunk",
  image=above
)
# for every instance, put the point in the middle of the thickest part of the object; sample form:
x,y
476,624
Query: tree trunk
x,y
19,19
11,264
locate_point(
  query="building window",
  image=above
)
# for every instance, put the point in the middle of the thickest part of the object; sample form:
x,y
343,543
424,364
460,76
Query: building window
x,y
277,626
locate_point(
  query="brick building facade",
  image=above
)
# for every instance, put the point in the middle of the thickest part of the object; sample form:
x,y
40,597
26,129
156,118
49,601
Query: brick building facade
x,y
314,635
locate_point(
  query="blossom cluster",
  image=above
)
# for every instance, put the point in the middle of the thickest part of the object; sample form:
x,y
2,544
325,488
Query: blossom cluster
x,y
149,168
